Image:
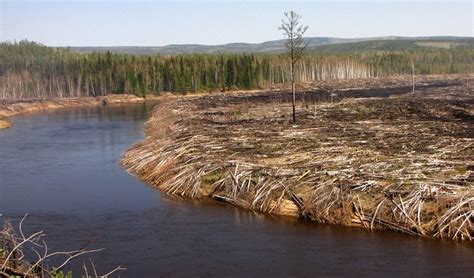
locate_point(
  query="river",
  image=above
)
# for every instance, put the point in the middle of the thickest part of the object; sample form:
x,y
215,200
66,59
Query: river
x,y
62,169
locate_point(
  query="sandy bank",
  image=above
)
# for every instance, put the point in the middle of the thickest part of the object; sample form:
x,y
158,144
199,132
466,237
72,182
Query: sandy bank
x,y
10,108
367,153
5,124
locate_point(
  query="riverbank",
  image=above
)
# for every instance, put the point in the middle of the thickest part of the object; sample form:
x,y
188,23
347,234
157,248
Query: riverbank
x,y
364,153
9,108
14,107
4,124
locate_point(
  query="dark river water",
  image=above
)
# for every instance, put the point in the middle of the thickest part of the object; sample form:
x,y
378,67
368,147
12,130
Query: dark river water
x,y
62,169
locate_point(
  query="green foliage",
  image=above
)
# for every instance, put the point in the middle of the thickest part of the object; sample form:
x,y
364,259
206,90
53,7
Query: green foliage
x,y
31,70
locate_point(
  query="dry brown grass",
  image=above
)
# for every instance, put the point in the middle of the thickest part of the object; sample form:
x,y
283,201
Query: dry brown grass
x,y
376,157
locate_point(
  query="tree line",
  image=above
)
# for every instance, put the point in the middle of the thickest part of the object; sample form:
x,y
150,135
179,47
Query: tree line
x,y
31,70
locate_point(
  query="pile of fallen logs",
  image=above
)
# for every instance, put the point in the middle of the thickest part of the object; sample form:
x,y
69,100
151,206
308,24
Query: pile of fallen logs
x,y
377,160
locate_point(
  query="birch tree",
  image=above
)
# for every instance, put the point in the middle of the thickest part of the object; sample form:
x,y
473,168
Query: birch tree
x,y
295,45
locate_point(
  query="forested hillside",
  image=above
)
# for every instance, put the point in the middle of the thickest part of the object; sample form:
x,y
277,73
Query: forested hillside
x,y
325,44
30,70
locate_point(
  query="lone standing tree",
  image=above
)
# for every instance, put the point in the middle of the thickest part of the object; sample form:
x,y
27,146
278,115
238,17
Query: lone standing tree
x,y
293,31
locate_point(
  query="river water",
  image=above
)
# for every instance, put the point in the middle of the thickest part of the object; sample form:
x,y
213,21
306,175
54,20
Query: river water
x,y
62,169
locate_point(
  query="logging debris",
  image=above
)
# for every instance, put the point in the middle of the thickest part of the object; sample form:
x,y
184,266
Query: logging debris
x,y
369,153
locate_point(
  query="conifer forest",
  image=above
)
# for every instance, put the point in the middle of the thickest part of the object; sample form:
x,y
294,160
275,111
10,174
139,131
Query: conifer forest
x,y
32,70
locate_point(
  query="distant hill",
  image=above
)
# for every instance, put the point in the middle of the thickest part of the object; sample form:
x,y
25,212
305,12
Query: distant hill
x,y
323,44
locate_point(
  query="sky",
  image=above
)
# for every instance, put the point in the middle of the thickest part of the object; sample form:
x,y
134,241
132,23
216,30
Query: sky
x,y
157,23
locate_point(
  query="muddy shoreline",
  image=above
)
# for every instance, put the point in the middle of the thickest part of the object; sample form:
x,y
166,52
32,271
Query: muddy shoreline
x,y
365,153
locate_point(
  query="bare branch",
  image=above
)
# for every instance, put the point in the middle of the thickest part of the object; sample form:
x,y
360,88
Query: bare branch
x,y
19,246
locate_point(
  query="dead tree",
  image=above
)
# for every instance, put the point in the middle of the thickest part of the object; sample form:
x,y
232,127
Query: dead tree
x,y
16,247
293,31
413,76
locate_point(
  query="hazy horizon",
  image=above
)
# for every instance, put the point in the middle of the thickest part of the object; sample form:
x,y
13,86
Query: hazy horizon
x,y
162,23
234,42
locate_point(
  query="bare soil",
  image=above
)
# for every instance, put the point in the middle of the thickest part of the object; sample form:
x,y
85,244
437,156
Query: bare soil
x,y
367,153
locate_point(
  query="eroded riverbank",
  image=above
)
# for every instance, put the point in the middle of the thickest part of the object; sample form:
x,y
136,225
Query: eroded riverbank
x,y
9,108
369,154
